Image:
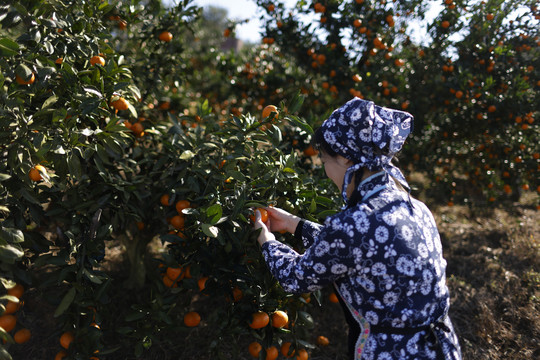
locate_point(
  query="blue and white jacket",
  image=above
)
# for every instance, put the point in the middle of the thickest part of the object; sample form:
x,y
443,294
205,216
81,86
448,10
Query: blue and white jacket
x,y
384,257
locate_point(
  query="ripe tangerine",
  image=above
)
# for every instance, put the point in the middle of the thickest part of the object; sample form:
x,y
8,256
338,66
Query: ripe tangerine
x,y
21,81
192,319
259,320
310,151
285,350
254,349
18,290
12,307
202,283
35,173
66,339
8,322
178,221
60,355
279,319
164,199
264,215
322,340
97,60
165,36
22,336
268,110
175,274
272,353
120,104
182,204
302,355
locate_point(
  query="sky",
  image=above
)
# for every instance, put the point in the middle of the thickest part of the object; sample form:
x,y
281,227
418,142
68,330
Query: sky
x,y
242,9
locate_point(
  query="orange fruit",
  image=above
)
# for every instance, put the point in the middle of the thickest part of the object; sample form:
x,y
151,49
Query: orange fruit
x,y
97,60
259,320
187,272
269,109
164,200
264,215
8,322
182,204
18,290
168,282
490,17
492,108
60,355
333,298
12,307
357,78
21,81
192,319
137,128
302,355
178,222
357,23
285,350
322,340
254,349
310,151
165,36
66,339
202,283
227,32
237,294
175,274
279,319
35,173
120,104
445,24
22,336
272,353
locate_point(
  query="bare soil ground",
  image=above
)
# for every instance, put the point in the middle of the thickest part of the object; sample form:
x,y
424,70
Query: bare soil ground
x,y
493,256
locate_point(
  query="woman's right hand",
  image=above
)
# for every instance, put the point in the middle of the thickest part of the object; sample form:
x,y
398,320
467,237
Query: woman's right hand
x,y
281,220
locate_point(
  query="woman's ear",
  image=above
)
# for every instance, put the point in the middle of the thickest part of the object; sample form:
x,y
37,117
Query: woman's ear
x,y
343,161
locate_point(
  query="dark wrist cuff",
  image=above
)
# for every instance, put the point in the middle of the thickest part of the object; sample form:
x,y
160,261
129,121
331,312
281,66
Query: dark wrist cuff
x,y
298,230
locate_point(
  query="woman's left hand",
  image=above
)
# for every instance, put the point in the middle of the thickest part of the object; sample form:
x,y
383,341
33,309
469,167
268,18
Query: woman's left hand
x,y
265,233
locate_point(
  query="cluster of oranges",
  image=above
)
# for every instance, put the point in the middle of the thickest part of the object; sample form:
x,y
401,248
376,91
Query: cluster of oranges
x,y
8,320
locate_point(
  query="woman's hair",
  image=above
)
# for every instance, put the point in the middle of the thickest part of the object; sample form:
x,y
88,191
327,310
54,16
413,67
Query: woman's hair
x,y
321,144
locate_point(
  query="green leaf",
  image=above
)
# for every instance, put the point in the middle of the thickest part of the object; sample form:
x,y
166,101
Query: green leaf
x,y
300,123
186,155
9,44
24,72
51,100
296,103
214,213
209,230
74,165
66,302
10,253
92,277
306,319
11,236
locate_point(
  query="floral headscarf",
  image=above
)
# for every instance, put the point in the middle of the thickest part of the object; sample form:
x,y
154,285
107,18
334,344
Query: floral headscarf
x,y
369,135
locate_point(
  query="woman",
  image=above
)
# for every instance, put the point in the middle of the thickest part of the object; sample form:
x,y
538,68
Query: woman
x,y
382,252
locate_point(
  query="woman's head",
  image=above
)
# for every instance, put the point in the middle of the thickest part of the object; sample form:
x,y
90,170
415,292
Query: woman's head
x,y
366,135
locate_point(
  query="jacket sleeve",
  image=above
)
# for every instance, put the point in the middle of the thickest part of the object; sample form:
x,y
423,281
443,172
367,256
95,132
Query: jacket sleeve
x,y
327,259
310,230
